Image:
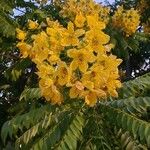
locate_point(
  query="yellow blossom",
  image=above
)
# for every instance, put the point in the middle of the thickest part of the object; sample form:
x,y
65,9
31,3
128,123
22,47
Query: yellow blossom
x,y
52,94
53,59
93,22
21,35
111,87
25,49
71,36
71,8
76,90
108,47
62,73
79,20
55,96
32,25
45,70
96,75
88,84
91,97
55,39
109,62
96,40
40,40
39,55
80,59
53,24
45,82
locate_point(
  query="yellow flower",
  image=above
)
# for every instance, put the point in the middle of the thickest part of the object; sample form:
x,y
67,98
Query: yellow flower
x,y
53,32
104,14
21,35
96,40
79,20
32,25
80,59
97,75
88,84
91,97
40,41
55,96
45,82
72,78
108,47
53,24
71,36
45,70
71,8
52,94
56,36
76,89
25,49
53,59
111,62
117,17
93,22
111,87
62,73
40,55
131,20
127,20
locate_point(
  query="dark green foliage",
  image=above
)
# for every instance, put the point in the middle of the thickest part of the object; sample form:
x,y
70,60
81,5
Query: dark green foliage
x,y
71,127
138,107
138,128
134,88
7,24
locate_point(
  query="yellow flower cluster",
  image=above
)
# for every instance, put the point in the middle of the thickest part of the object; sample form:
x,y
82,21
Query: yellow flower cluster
x,y
126,20
76,58
70,8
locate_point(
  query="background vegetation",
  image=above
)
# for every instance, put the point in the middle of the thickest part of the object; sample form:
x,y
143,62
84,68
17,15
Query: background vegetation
x,y
29,122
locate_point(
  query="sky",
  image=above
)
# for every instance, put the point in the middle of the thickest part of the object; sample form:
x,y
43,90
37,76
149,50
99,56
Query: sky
x,y
111,1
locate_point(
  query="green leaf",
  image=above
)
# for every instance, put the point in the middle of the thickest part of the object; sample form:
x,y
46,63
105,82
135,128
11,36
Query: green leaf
x,y
136,87
142,127
24,121
7,25
30,93
135,106
70,138
4,5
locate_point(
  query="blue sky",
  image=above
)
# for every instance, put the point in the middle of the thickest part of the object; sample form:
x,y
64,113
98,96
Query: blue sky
x,y
111,1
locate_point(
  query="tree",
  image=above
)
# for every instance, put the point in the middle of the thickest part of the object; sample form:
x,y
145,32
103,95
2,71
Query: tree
x,y
122,114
